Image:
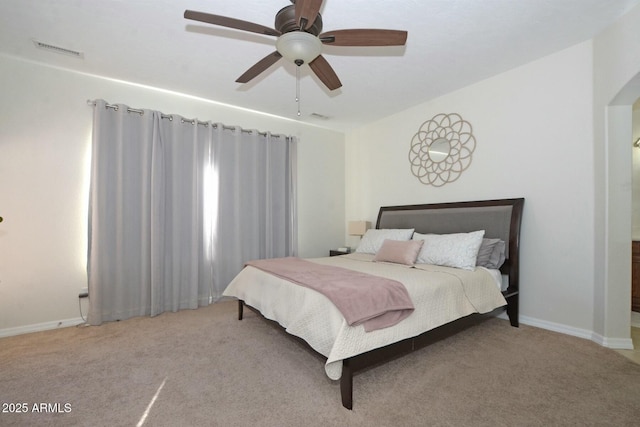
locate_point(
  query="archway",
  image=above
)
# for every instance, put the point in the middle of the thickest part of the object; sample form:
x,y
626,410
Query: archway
x,y
617,292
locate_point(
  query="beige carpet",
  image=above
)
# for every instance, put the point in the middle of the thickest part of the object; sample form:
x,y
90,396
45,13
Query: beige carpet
x,y
218,371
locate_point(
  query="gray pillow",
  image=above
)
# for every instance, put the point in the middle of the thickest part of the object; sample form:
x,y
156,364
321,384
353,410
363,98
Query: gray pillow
x,y
491,253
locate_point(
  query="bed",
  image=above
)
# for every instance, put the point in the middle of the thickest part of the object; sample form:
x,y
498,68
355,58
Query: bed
x,y
446,299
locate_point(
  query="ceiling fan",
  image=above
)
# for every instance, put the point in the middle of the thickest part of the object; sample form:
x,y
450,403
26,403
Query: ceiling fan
x,y
300,38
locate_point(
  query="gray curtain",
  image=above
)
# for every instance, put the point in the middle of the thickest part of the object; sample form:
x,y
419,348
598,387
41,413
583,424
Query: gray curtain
x,y
178,206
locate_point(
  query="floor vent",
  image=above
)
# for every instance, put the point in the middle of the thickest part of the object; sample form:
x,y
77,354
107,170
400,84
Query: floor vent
x,y
58,49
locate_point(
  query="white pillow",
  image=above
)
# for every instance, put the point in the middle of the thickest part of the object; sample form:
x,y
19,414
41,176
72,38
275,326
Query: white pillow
x,y
458,250
373,238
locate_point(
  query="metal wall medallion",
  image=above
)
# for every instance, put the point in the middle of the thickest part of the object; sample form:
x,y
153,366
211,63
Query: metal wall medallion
x,y
441,149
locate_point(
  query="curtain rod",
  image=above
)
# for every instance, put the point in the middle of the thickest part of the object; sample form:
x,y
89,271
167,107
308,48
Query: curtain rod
x,y
183,120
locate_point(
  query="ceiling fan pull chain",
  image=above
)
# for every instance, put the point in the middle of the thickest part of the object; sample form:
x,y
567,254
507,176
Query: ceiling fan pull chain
x,y
298,88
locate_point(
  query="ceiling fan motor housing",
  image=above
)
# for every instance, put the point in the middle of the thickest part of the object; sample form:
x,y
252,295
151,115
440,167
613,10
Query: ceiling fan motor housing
x,y
286,22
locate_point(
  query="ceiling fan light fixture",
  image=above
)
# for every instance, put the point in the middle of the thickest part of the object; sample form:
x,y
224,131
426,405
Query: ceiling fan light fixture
x,y
299,46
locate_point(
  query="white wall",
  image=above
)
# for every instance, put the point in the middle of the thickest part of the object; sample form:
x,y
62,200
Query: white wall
x,y
45,128
534,137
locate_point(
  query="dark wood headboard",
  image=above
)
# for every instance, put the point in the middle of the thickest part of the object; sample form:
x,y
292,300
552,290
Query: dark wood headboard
x,y
499,218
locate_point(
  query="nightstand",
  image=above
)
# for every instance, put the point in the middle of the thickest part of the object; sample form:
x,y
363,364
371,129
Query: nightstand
x,y
336,252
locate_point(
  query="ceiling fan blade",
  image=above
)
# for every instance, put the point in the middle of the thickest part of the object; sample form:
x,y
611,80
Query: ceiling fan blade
x,y
364,37
259,67
325,73
223,21
307,12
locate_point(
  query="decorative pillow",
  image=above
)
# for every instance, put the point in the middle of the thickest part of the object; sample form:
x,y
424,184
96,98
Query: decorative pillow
x,y
458,250
491,253
373,238
399,252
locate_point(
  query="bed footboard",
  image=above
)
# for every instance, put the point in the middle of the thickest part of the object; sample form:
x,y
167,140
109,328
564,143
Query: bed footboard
x,y
379,356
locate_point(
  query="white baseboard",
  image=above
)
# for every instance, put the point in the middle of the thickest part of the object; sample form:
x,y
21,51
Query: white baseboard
x,y
613,343
39,327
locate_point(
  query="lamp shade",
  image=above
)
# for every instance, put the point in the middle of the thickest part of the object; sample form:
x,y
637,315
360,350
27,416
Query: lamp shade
x,y
299,46
358,228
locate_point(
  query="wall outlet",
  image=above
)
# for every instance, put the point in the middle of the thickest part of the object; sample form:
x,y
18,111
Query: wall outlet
x,y
84,293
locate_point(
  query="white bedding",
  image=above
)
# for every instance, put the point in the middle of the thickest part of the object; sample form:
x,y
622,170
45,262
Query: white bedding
x,y
439,294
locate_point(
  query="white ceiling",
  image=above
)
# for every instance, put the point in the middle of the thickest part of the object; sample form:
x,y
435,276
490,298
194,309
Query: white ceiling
x,y
451,44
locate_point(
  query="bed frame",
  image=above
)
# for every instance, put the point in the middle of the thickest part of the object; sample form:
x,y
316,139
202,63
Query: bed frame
x,y
499,218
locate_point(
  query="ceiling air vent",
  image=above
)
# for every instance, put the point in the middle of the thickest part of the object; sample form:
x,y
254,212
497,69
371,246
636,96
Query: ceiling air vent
x,y
58,49
319,116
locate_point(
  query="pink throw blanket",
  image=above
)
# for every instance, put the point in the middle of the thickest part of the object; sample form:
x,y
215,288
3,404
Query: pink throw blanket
x,y
375,302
